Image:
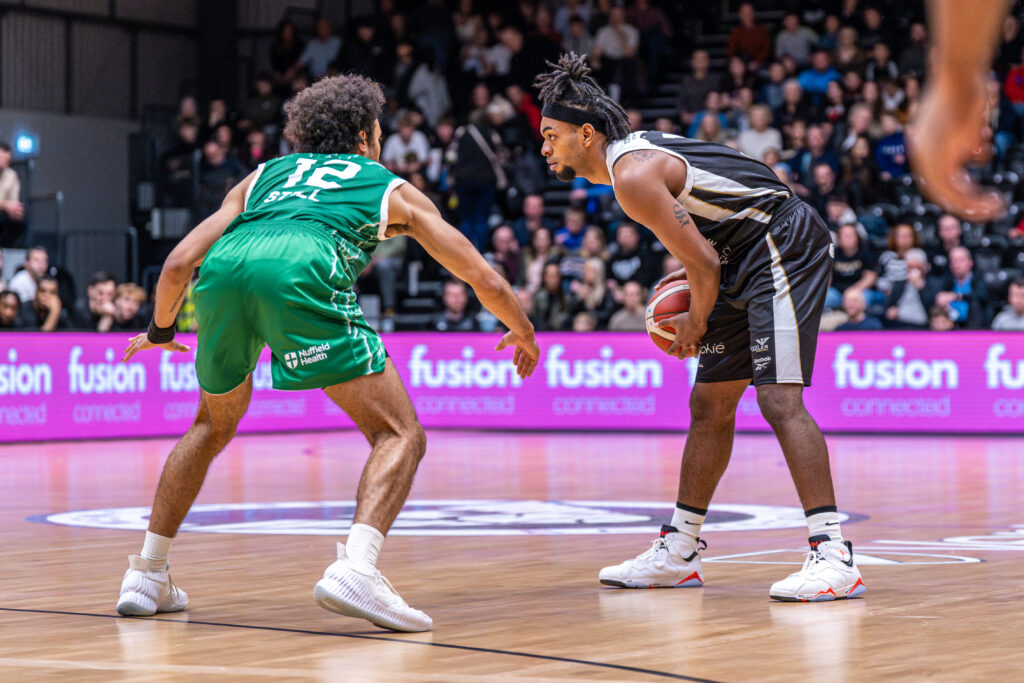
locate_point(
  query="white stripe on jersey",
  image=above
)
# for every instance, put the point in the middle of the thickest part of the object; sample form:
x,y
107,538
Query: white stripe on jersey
x,y
787,333
248,190
717,213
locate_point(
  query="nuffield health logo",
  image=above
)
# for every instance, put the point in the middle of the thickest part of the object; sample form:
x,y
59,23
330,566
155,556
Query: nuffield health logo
x,y
291,359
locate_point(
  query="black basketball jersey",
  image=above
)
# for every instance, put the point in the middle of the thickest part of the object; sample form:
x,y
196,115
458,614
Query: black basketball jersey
x,y
729,196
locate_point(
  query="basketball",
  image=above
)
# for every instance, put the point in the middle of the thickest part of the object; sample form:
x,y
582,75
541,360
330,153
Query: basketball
x,y
667,301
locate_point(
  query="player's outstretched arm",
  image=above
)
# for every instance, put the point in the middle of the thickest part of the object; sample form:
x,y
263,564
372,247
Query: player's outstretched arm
x,y
642,182
411,213
185,258
947,132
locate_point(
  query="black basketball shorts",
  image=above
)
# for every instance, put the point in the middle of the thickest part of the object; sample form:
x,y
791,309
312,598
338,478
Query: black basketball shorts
x,y
764,326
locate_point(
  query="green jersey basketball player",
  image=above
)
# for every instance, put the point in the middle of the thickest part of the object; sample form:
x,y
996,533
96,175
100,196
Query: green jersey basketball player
x,y
279,259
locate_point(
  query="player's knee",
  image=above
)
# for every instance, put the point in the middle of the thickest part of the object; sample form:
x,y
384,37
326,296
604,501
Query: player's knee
x,y
417,441
710,412
779,404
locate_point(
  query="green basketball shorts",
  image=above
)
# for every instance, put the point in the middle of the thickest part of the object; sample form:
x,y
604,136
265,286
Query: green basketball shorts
x,y
278,284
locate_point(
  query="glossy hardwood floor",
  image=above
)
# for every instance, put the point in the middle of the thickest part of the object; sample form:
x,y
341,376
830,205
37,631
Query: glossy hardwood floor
x,y
511,600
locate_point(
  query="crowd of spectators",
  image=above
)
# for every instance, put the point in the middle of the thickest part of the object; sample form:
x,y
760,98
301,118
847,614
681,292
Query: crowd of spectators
x,y
41,298
820,94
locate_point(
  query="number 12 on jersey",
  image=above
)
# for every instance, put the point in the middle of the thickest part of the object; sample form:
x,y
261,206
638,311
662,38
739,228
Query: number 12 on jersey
x,y
318,179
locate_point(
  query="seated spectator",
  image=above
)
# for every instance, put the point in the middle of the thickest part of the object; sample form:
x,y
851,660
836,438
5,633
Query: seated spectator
x,y
712,109
939,320
614,55
12,211
10,311
815,79
771,93
533,219
1012,317
264,107
367,53
584,321
950,230
526,303
795,40
455,317
570,235
218,173
712,130
178,165
477,172
542,249
322,51
632,316
962,294
591,293
913,57
855,266
735,78
630,260
382,272
794,107
44,312
550,302
128,301
855,306
407,152
848,56
860,174
96,311
880,66
1002,119
578,39
428,88
824,189
695,86
892,265
37,264
655,36
891,153
285,52
760,136
505,252
749,40
909,300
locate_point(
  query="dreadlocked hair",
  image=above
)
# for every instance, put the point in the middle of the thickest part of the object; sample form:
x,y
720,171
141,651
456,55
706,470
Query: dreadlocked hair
x,y
569,83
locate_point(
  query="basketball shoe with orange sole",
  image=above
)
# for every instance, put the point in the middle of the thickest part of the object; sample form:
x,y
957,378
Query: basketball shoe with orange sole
x,y
668,563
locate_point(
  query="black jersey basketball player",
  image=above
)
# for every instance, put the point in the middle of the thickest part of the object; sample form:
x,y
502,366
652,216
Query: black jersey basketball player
x,y
758,261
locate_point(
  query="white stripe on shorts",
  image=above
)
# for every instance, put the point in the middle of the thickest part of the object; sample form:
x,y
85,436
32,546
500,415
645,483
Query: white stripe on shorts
x,y
787,333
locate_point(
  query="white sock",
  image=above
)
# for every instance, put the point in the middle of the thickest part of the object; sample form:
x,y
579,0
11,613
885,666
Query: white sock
x,y
363,546
688,523
825,524
155,550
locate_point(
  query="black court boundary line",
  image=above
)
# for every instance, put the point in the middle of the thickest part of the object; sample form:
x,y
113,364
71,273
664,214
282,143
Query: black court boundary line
x,y
357,636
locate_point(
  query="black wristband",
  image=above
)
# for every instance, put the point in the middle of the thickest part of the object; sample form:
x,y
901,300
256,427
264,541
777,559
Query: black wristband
x,y
159,335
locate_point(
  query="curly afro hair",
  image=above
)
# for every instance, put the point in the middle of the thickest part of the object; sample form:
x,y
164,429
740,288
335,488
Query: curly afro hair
x,y
326,117
569,83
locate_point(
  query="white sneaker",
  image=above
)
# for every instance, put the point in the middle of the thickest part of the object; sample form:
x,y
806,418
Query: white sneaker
x,y
828,574
346,590
666,564
144,592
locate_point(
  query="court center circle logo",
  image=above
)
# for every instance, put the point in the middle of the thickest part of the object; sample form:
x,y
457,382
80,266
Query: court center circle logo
x,y
446,518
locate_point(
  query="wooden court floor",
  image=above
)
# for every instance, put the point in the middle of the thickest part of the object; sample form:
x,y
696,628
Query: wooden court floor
x,y
937,523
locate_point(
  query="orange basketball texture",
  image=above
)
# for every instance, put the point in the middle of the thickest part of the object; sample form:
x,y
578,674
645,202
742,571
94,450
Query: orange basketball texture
x,y
667,301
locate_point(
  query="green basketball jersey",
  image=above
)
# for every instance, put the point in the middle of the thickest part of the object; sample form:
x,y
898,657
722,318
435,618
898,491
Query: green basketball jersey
x,y
345,194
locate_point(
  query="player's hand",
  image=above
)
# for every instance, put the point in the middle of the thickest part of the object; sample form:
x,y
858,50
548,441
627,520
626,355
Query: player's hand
x,y
526,355
671,277
949,132
688,335
140,342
